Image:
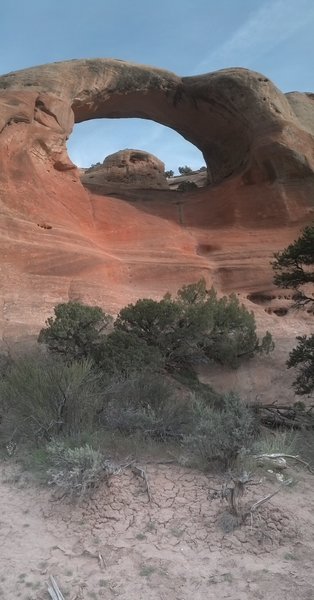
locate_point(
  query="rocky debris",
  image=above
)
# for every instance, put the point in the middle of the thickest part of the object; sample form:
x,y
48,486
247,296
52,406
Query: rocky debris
x,y
131,168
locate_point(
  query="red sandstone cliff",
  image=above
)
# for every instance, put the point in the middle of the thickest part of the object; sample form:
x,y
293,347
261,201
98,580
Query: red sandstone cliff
x,y
59,240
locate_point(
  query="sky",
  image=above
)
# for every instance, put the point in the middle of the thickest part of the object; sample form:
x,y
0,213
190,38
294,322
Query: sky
x,y
188,37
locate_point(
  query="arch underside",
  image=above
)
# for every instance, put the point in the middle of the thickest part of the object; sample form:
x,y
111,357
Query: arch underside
x,y
236,117
59,241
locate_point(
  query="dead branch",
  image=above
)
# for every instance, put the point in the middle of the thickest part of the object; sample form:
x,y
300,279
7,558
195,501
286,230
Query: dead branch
x,y
259,503
142,474
234,496
290,417
291,456
101,561
54,591
234,493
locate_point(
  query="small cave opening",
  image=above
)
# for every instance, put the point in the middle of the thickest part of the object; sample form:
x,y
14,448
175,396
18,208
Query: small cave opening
x,y
261,298
280,312
206,249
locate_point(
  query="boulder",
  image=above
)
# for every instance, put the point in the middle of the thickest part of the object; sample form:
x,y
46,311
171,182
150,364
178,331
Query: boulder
x,y
132,168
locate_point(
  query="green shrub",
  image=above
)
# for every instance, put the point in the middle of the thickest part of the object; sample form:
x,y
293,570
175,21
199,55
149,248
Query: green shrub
x,y
172,334
173,326
233,335
124,353
220,435
148,404
294,267
185,170
302,357
5,363
76,331
187,186
44,397
76,471
194,326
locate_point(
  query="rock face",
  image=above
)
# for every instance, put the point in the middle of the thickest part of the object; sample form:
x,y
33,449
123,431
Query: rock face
x,y
60,240
131,168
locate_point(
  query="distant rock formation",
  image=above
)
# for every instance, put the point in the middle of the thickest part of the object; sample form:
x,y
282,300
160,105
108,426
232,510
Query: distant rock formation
x,y
131,168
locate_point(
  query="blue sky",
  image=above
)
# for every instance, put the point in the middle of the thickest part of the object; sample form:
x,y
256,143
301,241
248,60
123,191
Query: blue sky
x,y
275,37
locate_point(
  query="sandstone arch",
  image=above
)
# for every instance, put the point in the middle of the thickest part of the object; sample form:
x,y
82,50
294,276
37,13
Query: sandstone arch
x,y
236,117
59,241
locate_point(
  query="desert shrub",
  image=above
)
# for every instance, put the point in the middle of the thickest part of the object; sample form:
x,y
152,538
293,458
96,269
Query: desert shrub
x,y
302,357
5,363
221,434
233,334
44,397
194,326
294,269
146,403
185,170
76,331
124,353
280,442
94,166
169,173
173,333
174,326
187,186
76,471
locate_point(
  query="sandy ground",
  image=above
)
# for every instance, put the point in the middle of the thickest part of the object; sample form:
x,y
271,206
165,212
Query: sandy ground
x,y
172,546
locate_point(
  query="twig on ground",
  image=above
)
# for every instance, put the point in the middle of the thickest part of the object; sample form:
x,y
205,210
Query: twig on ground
x,y
101,561
141,473
259,503
54,591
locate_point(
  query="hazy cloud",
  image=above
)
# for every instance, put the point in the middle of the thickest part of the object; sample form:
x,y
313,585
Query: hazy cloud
x,y
268,26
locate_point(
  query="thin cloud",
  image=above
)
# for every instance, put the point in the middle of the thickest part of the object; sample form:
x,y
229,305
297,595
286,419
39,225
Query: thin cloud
x,y
270,25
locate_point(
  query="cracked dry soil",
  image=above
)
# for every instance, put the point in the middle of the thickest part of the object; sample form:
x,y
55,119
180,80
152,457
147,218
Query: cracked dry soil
x,y
172,547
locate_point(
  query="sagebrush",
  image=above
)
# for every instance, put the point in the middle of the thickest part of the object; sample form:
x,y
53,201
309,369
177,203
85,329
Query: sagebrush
x,y
76,471
43,397
221,434
148,404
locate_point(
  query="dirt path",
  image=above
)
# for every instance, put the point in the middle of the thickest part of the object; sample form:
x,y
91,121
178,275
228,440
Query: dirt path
x,y
172,547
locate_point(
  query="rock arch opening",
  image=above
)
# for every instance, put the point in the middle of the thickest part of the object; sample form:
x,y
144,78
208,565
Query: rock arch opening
x,y
235,117
92,141
198,108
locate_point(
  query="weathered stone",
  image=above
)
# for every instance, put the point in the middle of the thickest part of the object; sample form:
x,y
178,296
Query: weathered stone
x,y
258,147
132,168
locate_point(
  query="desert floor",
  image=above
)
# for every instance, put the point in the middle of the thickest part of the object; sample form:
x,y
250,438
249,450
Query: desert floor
x,y
170,543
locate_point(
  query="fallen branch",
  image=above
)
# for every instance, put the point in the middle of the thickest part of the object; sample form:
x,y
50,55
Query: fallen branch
x,y
259,503
54,591
101,561
234,496
291,456
141,473
290,417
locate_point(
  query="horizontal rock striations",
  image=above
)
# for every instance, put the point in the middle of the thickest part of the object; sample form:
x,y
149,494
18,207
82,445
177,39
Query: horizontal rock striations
x,y
60,240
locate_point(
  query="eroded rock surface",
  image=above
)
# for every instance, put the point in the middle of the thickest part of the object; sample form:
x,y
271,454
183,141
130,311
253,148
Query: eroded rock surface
x,y
128,168
59,240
